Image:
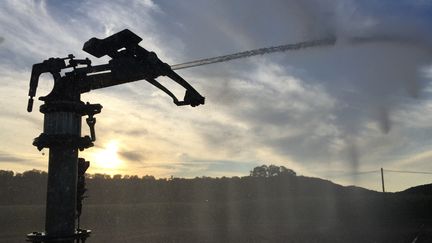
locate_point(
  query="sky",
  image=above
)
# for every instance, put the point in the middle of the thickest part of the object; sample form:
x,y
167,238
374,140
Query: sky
x,y
331,112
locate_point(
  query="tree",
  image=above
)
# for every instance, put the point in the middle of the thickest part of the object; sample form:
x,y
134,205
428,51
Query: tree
x,y
32,174
117,176
99,176
6,174
259,171
149,178
287,172
271,171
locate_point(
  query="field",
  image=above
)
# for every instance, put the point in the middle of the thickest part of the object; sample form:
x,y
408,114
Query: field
x,y
305,220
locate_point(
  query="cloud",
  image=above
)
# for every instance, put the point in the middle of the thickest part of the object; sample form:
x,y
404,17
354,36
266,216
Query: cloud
x,y
349,91
271,108
6,157
133,156
304,109
231,167
32,33
213,168
135,132
21,162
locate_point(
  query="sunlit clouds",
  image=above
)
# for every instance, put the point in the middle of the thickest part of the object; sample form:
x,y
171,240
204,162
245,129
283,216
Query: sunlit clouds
x,y
342,108
108,158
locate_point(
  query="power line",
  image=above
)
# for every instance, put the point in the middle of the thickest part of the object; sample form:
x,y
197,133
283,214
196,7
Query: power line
x,y
344,173
366,172
385,170
409,172
354,173
380,171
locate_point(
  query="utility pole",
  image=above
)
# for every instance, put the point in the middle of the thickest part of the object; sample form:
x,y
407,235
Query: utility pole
x,y
63,111
382,179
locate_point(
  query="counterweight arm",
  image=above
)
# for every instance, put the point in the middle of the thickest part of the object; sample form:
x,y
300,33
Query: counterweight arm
x,y
130,62
108,79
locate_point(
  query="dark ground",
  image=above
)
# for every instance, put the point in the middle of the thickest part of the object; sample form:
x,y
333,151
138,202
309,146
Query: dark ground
x,y
280,209
253,221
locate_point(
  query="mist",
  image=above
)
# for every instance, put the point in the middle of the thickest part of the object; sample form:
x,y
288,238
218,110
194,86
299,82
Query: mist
x,y
373,72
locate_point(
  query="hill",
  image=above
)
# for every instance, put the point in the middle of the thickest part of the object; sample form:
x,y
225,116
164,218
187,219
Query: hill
x,y
419,190
279,208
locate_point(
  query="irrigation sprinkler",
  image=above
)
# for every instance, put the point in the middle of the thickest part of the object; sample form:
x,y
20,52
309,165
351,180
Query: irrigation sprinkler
x,y
63,111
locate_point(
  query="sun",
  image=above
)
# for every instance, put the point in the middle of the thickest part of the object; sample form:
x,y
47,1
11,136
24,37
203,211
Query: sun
x,y
108,158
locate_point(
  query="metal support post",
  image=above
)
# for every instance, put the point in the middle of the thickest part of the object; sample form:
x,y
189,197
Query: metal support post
x,y
62,136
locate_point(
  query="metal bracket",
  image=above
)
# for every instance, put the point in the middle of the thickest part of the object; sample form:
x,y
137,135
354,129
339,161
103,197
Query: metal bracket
x,y
62,140
91,110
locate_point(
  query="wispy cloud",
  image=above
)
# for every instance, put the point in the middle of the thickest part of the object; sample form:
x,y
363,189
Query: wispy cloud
x,y
5,157
133,156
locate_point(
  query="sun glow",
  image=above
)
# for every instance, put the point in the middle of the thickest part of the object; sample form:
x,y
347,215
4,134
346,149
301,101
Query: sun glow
x,y
108,157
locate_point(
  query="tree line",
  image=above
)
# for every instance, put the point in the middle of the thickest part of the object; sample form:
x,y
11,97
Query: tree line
x,y
263,182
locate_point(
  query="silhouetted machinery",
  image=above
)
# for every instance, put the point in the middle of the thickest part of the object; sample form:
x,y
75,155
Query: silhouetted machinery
x,y
63,110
